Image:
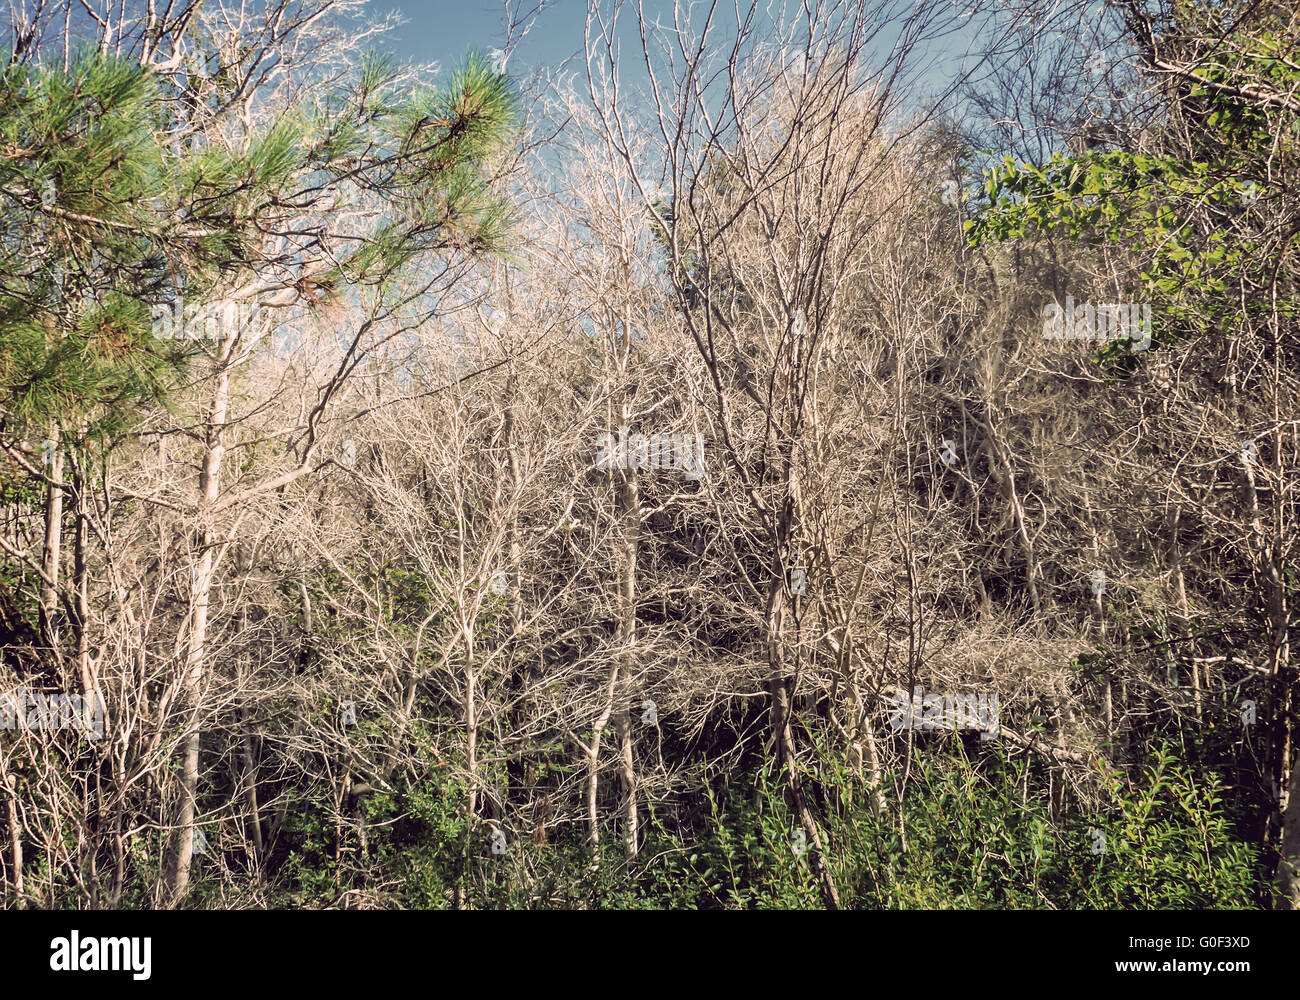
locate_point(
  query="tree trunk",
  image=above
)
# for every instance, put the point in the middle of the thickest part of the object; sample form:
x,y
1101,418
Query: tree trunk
x,y
1288,867
49,609
593,753
178,876
81,584
783,736
630,515
7,786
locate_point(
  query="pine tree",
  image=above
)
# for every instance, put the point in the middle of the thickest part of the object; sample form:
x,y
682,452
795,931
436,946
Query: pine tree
x,y
125,191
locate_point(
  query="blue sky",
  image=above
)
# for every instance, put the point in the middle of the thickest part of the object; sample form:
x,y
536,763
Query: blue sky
x,y
444,30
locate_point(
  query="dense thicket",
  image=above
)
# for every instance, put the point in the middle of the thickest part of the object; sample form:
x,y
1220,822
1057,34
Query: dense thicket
x,y
567,487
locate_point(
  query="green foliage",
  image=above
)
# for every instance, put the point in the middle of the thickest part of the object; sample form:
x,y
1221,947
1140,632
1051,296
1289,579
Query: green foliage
x,y
81,243
1194,212
986,838
1168,844
974,836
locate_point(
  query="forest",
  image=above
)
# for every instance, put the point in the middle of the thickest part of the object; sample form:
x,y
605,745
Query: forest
x,y
837,454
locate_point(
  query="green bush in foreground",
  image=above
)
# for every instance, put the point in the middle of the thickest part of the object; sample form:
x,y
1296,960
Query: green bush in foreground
x,y
970,835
